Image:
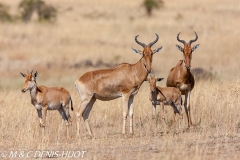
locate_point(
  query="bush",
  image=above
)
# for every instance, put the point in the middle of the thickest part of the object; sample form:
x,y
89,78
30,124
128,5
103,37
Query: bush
x,y
4,13
152,4
45,12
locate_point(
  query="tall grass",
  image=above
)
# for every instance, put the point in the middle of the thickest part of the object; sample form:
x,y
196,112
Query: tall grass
x,y
105,30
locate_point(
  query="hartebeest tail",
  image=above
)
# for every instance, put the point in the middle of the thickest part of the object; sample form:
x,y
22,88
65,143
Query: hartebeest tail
x,y
48,98
164,96
71,103
123,81
181,77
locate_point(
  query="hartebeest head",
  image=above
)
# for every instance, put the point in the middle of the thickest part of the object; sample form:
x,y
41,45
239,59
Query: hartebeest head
x,y
152,81
147,53
187,50
30,81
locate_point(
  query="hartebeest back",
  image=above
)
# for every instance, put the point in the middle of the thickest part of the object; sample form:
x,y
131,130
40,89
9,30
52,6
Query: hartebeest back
x,y
44,98
181,77
123,80
164,96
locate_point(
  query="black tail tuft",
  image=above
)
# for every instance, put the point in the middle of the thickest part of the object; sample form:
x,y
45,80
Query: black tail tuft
x,y
71,104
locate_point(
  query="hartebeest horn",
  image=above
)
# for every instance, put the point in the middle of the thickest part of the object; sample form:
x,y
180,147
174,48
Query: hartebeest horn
x,y
191,41
152,43
182,41
140,43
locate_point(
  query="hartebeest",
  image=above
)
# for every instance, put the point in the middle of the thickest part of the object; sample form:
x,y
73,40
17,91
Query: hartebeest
x,y
45,98
123,81
181,77
164,96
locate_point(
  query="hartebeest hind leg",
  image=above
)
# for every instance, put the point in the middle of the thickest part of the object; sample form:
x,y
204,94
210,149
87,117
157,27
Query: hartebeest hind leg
x,y
86,114
176,110
84,111
162,114
65,118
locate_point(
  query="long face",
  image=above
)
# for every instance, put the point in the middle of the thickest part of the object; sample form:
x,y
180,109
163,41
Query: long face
x,y
147,53
152,82
30,81
187,54
187,50
147,56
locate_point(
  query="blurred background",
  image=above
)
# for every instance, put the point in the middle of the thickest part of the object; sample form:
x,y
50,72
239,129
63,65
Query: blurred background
x,y
62,39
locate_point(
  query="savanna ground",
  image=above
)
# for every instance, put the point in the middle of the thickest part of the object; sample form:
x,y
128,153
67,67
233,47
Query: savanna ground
x,y
104,31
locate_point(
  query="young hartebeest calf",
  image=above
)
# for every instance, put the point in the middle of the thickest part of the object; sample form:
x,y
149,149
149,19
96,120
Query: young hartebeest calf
x,y
181,77
123,81
164,96
45,98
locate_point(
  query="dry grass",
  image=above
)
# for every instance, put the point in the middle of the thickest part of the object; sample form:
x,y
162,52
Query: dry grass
x,y
105,31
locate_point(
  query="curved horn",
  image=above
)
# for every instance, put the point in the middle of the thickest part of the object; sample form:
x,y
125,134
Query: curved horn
x,y
191,41
27,72
31,71
182,41
152,43
140,43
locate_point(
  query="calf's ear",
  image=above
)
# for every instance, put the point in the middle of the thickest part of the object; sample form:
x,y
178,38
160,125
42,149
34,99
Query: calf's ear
x,y
160,79
23,74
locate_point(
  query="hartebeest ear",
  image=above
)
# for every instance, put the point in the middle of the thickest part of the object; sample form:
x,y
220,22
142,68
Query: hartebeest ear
x,y
195,47
179,47
157,50
137,51
35,74
23,74
160,79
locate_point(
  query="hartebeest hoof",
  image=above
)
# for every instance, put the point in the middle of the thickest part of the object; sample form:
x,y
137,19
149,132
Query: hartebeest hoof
x,y
42,125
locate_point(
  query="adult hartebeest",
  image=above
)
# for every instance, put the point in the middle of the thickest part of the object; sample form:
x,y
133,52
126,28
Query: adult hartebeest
x,y
44,98
181,77
123,81
164,96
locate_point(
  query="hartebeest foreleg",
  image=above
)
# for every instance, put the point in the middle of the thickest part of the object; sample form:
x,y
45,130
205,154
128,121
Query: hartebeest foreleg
x,y
153,111
125,98
130,113
44,114
187,107
66,117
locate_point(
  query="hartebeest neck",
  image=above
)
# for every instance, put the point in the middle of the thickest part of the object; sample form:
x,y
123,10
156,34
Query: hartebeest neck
x,y
184,71
140,71
153,95
33,94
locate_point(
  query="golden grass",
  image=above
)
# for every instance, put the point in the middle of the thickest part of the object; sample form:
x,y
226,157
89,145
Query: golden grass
x,y
105,30
215,133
